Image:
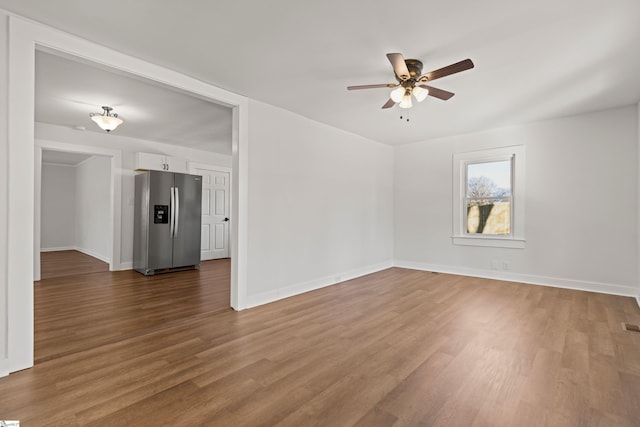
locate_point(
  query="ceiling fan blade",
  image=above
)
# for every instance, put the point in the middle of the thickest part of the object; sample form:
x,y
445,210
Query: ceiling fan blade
x,y
438,93
371,86
449,69
390,103
399,66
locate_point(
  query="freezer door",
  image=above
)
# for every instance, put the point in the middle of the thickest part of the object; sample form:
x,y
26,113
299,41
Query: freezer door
x,y
186,242
160,221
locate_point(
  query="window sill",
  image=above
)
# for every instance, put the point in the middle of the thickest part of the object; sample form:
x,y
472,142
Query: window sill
x,y
491,242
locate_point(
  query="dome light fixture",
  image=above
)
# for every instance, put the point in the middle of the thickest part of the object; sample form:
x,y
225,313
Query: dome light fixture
x,y
107,121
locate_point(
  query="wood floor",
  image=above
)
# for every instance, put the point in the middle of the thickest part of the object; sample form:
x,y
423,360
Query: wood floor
x,y
398,347
69,263
75,312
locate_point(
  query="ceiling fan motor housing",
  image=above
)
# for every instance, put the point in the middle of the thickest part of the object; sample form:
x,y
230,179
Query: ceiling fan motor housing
x,y
415,71
414,66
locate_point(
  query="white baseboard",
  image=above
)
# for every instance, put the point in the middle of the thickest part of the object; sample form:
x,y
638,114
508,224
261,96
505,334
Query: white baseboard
x,y
638,301
94,254
300,288
61,248
126,266
581,285
8,365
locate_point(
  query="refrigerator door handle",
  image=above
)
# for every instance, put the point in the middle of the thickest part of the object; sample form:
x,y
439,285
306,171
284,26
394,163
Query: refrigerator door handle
x,y
175,225
173,214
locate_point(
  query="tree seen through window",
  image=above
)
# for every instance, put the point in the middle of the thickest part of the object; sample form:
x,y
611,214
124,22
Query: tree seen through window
x,y
488,197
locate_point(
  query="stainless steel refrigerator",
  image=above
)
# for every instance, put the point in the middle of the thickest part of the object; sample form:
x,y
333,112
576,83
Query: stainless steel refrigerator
x,y
167,221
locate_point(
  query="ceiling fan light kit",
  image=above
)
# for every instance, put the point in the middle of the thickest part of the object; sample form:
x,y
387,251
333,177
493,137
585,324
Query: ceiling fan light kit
x,y
420,93
408,73
106,120
406,100
397,94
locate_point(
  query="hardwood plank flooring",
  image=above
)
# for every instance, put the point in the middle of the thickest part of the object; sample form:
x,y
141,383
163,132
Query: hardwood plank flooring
x,y
399,347
82,311
69,263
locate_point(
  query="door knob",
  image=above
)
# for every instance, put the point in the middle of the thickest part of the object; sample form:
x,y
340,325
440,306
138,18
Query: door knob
x,y
226,219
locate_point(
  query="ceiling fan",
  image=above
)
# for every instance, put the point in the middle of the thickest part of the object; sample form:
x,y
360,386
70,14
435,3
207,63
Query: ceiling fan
x,y
408,73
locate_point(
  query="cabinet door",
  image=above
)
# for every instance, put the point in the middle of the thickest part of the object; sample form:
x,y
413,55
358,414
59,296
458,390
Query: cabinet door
x,y
148,161
159,162
175,164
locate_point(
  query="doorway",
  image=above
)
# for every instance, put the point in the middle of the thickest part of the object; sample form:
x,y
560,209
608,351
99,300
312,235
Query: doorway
x,y
99,209
75,213
104,307
24,37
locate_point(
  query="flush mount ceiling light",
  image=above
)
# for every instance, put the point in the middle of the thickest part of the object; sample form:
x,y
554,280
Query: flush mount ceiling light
x,y
107,121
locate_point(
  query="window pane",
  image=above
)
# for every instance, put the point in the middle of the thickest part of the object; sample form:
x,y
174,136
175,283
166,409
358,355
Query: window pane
x,y
489,217
490,179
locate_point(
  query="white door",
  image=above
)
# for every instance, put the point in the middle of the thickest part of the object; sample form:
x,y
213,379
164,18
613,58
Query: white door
x,y
215,211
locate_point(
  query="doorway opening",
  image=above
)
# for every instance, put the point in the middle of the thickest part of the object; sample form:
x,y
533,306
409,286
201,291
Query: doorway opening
x,y
84,210
25,38
75,213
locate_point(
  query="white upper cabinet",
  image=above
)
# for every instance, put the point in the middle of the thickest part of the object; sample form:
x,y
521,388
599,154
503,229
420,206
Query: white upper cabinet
x,y
159,162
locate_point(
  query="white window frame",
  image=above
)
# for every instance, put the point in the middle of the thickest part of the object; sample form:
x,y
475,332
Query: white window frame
x,y
460,161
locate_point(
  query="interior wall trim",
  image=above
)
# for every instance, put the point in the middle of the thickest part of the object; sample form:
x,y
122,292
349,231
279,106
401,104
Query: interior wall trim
x,y
579,285
58,249
93,254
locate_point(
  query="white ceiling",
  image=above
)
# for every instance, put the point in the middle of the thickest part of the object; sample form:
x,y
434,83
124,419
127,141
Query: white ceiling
x,y
534,59
63,158
67,90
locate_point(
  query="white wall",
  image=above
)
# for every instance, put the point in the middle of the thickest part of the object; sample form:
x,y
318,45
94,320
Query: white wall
x,y
581,203
4,179
129,147
93,207
320,204
58,219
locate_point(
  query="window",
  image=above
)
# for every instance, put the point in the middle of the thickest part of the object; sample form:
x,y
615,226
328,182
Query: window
x,y
489,198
